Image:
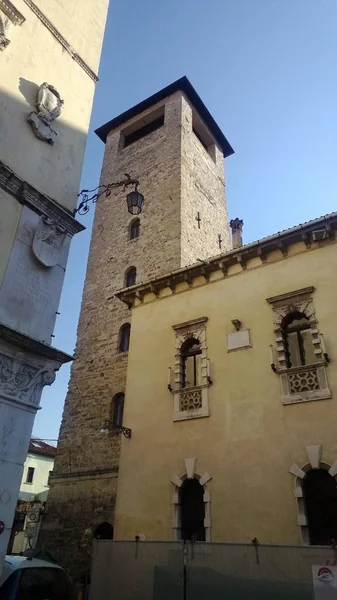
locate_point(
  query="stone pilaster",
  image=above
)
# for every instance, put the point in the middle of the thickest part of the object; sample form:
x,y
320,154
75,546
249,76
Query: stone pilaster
x,y
26,366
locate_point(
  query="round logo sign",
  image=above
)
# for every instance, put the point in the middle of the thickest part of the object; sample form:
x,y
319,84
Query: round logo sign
x,y
325,574
2,526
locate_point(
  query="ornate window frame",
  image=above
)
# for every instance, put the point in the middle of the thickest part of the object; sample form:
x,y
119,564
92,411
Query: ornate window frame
x,y
306,382
177,481
190,402
314,455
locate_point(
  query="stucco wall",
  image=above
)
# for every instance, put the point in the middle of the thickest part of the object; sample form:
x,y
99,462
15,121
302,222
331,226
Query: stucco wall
x,y
42,466
10,211
250,439
53,170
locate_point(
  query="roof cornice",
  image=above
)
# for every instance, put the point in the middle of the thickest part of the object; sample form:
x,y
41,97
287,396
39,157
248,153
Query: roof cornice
x,y
260,248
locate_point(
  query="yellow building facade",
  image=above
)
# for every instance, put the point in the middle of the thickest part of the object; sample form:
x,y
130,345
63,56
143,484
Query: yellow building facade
x,y
253,425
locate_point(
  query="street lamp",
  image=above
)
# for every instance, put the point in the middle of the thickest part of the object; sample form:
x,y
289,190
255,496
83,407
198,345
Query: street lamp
x,y
134,199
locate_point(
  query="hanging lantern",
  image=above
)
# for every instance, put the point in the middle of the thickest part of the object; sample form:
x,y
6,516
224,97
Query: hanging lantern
x,y
135,201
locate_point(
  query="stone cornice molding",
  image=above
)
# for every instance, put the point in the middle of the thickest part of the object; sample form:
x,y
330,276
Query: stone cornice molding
x,y
291,295
40,203
11,12
26,366
33,346
260,249
76,57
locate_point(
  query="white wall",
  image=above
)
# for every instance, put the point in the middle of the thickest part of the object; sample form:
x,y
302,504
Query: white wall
x,y
42,466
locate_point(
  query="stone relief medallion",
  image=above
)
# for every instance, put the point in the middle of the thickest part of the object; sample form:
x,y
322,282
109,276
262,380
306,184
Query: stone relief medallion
x,y
48,241
49,107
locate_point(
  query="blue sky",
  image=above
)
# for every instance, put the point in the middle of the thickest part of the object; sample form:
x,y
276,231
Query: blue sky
x,y
266,70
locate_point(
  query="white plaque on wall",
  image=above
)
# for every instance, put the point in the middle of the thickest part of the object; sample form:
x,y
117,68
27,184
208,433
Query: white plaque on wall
x,y
238,340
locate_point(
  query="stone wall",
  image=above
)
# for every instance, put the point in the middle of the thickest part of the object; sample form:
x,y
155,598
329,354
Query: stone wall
x,y
99,370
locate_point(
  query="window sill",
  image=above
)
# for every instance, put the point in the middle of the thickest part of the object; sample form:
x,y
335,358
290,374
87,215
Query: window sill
x,y
28,483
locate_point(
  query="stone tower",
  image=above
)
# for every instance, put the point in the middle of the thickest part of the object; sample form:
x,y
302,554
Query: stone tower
x,y
172,145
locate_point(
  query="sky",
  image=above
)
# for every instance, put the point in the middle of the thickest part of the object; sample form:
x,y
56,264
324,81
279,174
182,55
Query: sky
x,y
267,72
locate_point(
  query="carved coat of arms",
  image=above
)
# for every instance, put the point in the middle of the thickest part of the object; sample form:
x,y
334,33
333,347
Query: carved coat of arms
x,y
49,107
48,241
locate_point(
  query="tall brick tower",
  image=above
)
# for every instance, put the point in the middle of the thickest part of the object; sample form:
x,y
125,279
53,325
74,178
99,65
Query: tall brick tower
x,y
173,146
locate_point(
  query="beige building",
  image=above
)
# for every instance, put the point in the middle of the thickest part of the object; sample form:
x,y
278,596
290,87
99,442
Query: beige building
x,y
201,345
50,53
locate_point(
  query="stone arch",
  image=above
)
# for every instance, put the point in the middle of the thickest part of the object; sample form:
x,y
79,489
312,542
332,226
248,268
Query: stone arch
x,y
177,481
314,462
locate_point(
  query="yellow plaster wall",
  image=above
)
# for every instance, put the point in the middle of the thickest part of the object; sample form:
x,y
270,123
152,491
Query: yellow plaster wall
x,y
250,439
33,56
10,211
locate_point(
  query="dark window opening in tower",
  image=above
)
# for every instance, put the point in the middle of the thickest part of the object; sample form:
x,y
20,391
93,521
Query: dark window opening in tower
x,y
130,276
320,498
124,337
118,410
192,511
134,229
144,130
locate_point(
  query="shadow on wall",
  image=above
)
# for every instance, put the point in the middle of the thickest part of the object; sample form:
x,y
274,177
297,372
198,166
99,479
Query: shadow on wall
x,y
54,169
29,90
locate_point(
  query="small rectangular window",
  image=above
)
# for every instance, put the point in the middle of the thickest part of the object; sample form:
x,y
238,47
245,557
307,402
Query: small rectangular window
x,y
49,476
30,475
201,132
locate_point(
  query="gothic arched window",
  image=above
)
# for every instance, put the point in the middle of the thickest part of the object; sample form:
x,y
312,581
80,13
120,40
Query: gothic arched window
x,y
191,363
192,510
297,339
130,276
124,337
134,229
320,498
118,410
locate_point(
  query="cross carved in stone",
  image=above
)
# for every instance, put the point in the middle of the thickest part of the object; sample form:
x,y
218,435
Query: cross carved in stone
x,y
198,218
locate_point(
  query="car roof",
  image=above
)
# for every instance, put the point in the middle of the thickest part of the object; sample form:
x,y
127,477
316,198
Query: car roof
x,y
13,563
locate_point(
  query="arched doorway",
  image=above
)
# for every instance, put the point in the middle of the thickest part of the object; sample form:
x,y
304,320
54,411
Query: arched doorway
x,y
104,531
320,498
192,510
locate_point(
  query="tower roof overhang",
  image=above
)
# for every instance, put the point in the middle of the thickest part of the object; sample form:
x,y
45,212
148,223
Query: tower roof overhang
x,y
181,85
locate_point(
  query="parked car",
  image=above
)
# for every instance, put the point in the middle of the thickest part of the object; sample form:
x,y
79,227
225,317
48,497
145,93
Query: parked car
x,y
25,578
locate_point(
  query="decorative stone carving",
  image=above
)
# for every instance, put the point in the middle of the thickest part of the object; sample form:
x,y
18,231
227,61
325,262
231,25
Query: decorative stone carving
x,y
22,381
190,399
304,384
49,107
5,26
303,381
48,241
9,15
